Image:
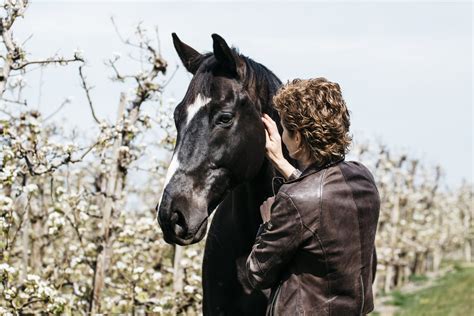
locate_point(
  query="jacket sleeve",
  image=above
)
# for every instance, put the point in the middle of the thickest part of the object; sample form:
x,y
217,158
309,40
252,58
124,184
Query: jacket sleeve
x,y
275,245
294,175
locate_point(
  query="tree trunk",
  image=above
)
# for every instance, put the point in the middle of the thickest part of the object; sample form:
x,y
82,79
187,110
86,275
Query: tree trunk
x,y
468,251
114,189
178,272
437,257
26,244
388,278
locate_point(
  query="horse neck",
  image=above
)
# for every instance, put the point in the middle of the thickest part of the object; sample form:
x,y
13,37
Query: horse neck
x,y
246,200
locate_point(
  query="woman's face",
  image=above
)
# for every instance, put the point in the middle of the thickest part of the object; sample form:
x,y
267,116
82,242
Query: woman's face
x,y
291,143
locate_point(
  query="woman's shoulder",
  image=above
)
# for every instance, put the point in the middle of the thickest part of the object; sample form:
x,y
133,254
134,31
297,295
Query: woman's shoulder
x,y
354,171
348,177
345,173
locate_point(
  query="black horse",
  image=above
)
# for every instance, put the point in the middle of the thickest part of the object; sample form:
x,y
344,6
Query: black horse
x,y
219,161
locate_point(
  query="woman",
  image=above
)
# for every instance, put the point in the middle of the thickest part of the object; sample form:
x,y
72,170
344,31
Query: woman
x,y
315,249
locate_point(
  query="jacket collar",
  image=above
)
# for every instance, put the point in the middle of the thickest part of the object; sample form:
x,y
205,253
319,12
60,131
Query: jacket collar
x,y
313,168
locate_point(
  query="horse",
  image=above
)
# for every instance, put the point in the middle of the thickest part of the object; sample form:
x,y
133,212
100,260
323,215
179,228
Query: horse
x,y
219,163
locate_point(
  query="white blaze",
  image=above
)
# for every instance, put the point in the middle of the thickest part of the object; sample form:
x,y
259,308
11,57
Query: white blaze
x,y
174,165
194,108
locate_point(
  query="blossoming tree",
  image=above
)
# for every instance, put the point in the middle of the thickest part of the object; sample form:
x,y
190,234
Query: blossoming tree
x,y
79,236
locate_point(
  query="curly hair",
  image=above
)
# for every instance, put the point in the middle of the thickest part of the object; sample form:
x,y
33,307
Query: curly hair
x,y
316,109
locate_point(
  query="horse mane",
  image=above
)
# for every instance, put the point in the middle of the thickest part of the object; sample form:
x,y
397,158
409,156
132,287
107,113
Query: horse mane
x,y
260,79
264,83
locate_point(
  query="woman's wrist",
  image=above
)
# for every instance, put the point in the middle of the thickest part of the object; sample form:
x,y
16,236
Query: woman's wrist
x,y
284,167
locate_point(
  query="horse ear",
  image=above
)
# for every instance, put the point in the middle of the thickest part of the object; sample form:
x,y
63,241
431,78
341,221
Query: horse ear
x,y
189,56
224,54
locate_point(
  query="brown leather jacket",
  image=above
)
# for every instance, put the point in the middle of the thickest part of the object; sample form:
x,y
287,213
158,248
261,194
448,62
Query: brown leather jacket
x,y
317,252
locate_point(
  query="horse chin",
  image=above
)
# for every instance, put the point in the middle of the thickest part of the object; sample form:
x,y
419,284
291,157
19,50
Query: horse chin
x,y
202,228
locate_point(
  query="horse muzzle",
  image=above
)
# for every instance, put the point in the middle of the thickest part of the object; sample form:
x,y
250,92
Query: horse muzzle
x,y
177,227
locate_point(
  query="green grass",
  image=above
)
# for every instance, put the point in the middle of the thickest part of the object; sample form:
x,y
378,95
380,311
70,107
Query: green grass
x,y
451,295
418,278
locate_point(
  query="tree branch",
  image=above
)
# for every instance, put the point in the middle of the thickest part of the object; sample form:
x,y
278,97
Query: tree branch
x,y
15,101
87,90
57,110
47,61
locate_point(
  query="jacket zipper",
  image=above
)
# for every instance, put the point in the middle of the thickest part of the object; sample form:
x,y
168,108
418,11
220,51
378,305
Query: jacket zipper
x,y
272,306
362,292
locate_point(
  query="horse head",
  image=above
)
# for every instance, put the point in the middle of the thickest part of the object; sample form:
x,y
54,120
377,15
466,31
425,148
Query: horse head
x,y
220,136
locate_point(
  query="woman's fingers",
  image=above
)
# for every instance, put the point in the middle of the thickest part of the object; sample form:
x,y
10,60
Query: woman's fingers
x,y
268,130
273,150
269,201
270,126
267,137
266,207
265,122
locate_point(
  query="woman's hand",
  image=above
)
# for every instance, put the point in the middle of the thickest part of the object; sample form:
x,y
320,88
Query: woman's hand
x,y
273,149
265,208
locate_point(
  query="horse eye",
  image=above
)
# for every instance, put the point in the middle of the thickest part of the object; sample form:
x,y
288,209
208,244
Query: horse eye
x,y
225,118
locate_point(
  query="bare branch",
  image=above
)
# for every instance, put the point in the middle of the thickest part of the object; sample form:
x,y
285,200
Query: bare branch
x,y
7,113
118,75
84,154
117,30
87,90
57,110
27,39
171,77
40,88
47,61
158,42
24,102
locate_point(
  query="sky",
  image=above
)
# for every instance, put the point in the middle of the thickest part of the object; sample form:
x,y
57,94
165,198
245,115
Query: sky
x,y
405,68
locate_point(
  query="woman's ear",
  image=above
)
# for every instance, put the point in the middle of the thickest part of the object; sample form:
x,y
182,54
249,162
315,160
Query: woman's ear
x,y
298,139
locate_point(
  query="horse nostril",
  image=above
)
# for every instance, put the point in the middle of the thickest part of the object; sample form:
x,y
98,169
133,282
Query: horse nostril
x,y
178,223
174,217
